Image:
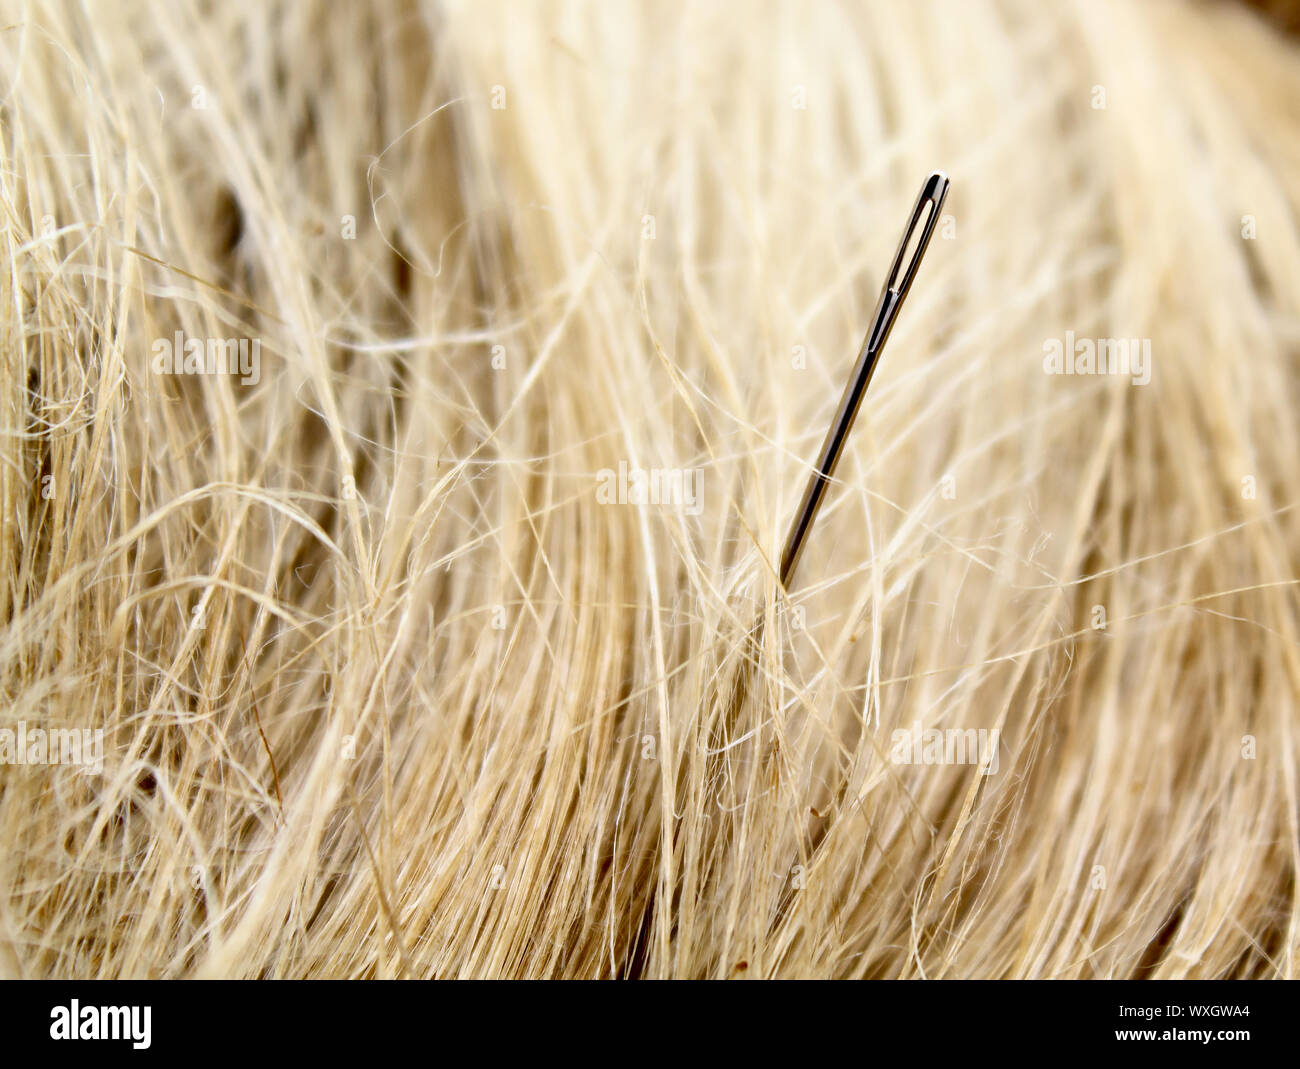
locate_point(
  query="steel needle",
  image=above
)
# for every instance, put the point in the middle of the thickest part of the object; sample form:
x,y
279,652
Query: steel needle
x,y
897,283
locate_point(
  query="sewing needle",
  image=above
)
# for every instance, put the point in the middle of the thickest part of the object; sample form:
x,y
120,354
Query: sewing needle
x,y
895,288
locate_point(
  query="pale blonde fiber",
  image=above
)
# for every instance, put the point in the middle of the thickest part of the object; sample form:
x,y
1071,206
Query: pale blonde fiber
x,y
396,673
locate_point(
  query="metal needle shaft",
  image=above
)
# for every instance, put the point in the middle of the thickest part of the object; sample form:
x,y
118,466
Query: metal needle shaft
x,y
897,283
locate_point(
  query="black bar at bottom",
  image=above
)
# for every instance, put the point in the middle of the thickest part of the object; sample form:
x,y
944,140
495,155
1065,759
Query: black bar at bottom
x,y
598,1022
